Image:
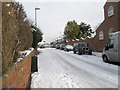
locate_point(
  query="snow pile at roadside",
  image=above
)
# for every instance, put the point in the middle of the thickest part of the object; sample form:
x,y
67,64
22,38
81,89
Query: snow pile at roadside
x,y
98,54
40,50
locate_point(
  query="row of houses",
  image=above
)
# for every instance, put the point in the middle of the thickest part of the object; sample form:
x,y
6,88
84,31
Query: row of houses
x,y
110,24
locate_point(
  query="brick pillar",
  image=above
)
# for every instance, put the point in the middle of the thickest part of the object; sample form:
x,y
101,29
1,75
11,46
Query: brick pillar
x,y
0,45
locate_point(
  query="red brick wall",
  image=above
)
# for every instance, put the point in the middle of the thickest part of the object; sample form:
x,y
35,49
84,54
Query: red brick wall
x,y
112,21
109,22
106,25
20,75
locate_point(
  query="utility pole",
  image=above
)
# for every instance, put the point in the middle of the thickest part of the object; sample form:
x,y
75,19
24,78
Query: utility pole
x,y
36,22
36,16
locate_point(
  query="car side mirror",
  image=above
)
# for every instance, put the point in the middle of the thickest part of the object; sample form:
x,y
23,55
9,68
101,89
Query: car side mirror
x,y
106,47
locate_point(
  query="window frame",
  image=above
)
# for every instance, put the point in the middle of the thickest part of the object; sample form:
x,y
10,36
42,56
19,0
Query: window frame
x,y
101,35
110,11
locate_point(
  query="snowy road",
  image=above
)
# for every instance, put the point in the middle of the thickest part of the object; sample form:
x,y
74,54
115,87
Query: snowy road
x,y
59,69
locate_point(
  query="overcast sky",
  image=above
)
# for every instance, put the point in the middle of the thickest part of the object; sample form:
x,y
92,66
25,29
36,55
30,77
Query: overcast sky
x,y
53,15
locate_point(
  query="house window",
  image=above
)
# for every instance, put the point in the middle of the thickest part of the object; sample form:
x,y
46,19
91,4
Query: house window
x,y
101,35
8,4
110,32
110,11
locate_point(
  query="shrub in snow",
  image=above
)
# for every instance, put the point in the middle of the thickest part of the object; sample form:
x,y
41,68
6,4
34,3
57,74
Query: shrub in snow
x,y
16,33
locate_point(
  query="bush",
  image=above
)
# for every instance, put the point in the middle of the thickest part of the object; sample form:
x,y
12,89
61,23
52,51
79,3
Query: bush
x,y
37,36
16,33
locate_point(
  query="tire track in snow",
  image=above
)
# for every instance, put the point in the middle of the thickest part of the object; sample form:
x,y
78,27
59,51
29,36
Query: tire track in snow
x,y
114,71
90,74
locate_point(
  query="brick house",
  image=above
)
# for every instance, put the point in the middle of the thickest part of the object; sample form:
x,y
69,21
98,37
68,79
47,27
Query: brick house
x,y
110,24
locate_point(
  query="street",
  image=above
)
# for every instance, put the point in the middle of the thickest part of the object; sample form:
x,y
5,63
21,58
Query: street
x,y
60,69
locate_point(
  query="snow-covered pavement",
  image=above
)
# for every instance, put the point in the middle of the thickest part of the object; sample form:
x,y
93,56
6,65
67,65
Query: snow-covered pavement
x,y
60,69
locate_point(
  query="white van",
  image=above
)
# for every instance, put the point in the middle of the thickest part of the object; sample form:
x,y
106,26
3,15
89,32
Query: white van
x,y
111,52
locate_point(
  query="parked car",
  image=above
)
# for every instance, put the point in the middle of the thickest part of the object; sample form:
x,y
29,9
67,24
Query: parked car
x,y
53,45
82,48
68,48
62,46
42,46
57,46
112,49
47,46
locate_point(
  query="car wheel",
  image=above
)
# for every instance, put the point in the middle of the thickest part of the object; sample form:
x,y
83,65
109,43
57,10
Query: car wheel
x,y
90,53
74,51
105,59
67,50
80,53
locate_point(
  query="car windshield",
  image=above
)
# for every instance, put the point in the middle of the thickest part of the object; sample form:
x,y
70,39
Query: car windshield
x,y
111,42
83,45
